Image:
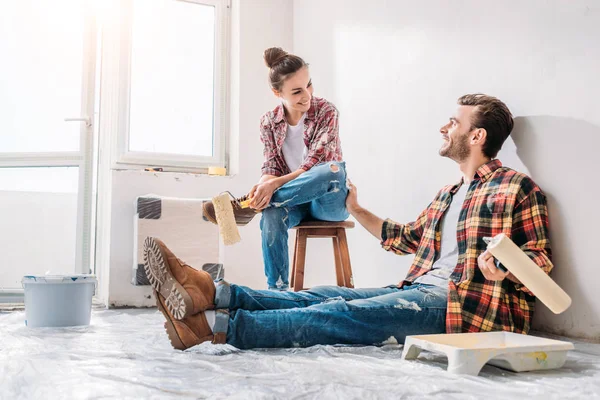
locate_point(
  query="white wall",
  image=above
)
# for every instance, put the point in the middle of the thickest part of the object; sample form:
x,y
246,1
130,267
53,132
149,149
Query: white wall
x,y
256,25
395,70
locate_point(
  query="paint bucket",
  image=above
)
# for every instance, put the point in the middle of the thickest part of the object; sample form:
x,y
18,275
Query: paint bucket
x,y
58,300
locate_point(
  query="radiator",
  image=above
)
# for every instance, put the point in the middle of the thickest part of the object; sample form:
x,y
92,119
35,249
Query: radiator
x,y
180,225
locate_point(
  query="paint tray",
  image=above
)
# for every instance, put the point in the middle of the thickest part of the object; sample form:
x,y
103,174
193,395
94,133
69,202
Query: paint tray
x,y
468,352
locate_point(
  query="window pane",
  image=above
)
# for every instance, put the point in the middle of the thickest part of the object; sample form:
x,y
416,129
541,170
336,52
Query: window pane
x,y
38,210
172,73
41,43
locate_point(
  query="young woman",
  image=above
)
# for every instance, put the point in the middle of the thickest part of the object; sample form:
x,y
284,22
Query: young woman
x,y
303,175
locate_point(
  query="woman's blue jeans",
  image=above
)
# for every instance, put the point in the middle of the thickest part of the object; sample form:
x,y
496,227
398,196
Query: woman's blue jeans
x,y
319,193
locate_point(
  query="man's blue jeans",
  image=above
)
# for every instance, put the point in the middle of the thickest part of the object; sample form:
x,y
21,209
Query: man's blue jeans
x,y
328,315
319,193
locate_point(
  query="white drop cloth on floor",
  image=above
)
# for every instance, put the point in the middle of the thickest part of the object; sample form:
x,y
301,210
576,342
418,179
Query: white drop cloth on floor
x,y
126,354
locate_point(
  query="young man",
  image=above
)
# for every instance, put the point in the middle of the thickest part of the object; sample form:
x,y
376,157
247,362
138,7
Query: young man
x,y
452,286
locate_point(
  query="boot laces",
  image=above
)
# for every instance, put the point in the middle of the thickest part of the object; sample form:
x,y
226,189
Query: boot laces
x,y
237,201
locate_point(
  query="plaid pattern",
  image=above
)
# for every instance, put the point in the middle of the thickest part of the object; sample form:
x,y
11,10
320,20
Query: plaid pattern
x,y
321,137
499,200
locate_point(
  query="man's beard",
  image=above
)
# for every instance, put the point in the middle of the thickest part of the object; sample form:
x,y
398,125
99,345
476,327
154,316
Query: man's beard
x,y
458,150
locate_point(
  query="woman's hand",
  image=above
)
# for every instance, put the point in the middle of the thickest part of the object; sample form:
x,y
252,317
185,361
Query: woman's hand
x,y
261,194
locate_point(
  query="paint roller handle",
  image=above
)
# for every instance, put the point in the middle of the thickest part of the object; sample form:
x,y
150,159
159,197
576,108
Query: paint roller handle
x,y
499,265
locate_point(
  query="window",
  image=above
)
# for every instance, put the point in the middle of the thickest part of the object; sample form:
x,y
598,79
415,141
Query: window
x,y
174,111
42,47
38,210
47,88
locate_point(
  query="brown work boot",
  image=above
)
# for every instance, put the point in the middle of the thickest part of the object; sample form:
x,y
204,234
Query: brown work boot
x,y
186,290
189,331
242,215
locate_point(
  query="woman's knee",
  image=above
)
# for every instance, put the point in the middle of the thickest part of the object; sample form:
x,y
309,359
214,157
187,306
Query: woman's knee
x,y
332,171
274,219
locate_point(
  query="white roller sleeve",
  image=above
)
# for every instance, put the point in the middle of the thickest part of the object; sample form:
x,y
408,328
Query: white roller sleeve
x,y
529,273
226,219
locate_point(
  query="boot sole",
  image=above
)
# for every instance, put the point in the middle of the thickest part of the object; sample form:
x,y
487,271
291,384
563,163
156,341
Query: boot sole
x,y
206,215
178,301
174,338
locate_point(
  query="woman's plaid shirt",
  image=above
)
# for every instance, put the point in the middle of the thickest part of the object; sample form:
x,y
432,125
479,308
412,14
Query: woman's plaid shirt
x,y
499,200
321,137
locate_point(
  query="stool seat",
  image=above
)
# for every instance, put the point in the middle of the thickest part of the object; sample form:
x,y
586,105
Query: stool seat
x,y
325,224
323,229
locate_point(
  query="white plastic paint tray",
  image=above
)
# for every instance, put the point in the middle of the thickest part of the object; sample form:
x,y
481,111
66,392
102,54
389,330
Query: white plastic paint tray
x,y
468,352
58,300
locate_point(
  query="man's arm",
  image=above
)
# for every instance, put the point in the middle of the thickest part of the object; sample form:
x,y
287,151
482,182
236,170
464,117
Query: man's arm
x,y
530,233
399,238
368,220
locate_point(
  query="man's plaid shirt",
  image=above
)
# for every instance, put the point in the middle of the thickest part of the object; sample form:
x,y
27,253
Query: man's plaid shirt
x,y
499,200
321,137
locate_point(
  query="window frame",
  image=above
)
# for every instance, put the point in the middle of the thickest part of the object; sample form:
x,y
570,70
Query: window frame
x,y
81,158
123,158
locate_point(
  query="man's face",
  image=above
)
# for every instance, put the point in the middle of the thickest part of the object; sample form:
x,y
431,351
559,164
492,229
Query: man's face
x,y
456,134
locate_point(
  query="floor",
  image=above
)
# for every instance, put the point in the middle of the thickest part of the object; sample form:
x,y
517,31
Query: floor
x,y
126,354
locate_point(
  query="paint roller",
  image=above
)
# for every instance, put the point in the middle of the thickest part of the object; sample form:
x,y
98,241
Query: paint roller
x,y
226,218
528,272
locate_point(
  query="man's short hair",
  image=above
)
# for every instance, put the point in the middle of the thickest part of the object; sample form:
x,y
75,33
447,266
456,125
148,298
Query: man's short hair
x,y
492,115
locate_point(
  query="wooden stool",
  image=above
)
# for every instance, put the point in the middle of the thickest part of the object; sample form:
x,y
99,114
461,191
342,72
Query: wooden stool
x,y
323,229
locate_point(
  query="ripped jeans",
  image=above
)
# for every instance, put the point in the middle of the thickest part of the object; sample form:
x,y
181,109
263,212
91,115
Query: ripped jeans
x,y
328,315
319,193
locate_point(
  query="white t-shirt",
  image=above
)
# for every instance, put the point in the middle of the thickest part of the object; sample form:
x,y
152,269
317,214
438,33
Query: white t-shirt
x,y
448,258
294,150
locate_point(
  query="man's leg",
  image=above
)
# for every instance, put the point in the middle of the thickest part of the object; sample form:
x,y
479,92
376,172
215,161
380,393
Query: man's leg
x,y
418,309
274,225
235,297
323,187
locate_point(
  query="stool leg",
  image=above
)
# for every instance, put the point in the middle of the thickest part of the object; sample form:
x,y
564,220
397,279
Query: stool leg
x,y
300,260
339,270
345,258
293,277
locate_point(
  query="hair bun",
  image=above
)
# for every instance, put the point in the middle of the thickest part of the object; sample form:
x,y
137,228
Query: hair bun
x,y
274,55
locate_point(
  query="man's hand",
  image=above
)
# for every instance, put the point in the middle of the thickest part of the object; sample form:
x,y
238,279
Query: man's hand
x,y
261,194
368,220
352,198
486,262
